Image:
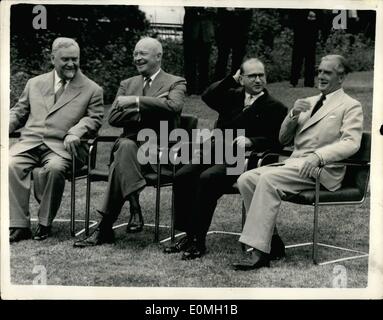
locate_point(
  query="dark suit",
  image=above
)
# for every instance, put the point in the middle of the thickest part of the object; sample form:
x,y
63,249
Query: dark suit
x,y
45,124
198,37
232,33
304,46
163,102
198,187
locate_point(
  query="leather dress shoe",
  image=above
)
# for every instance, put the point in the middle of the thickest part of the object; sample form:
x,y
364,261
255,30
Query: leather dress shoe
x,y
254,261
136,221
278,250
18,234
97,238
193,252
180,245
42,232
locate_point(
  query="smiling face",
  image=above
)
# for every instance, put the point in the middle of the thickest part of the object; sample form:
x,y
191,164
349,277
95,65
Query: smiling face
x,y
66,62
147,56
253,77
329,80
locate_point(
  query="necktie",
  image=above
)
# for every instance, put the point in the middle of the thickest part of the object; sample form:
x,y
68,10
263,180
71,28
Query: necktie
x,y
318,104
60,91
146,86
248,102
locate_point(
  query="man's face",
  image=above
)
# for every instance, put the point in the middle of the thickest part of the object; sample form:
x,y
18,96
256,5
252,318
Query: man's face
x,y
253,78
66,62
328,78
146,58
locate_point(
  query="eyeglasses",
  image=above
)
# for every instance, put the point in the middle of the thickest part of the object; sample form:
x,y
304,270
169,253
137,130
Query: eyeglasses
x,y
254,76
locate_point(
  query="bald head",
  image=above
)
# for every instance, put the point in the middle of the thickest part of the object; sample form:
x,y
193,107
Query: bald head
x,y
147,56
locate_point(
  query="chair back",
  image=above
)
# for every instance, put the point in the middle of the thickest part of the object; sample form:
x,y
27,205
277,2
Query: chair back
x,y
358,176
188,122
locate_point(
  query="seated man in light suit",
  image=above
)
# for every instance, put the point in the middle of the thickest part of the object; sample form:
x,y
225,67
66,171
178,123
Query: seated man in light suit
x,y
142,102
55,110
324,129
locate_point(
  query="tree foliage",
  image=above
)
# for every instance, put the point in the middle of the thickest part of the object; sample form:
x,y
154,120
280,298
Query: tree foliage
x,y
106,35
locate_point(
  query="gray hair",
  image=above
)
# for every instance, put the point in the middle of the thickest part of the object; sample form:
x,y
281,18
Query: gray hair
x,y
62,42
342,66
251,60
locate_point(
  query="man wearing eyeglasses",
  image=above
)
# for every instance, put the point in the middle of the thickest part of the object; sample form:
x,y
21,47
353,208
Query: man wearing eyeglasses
x,y
242,102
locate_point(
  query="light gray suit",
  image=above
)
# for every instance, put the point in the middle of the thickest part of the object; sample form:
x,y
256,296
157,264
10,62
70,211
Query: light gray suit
x,y
79,111
333,133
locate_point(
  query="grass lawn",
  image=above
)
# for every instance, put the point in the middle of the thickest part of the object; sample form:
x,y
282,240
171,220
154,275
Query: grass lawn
x,y
135,261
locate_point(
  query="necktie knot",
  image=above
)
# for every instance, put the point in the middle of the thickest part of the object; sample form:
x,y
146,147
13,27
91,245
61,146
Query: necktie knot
x,y
249,101
60,90
147,85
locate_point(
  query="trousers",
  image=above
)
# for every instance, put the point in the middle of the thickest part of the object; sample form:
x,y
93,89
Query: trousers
x,y
263,190
49,185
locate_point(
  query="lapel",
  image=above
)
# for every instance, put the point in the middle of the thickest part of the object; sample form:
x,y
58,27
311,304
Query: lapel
x,y
332,103
240,98
259,102
47,90
156,85
72,90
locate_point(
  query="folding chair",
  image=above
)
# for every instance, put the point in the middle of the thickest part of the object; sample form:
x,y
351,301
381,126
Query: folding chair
x,y
155,179
352,192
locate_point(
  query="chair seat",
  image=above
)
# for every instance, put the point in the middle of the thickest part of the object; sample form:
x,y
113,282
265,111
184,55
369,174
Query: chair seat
x,y
151,179
99,174
341,195
80,172
232,189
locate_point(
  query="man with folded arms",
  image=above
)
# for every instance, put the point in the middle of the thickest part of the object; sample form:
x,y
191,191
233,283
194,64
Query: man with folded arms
x,y
323,129
142,102
54,111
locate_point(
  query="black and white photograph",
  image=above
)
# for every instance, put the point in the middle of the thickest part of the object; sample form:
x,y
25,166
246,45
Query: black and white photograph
x,y
191,150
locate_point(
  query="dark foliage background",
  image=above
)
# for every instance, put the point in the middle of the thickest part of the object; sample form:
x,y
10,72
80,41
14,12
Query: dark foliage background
x,y
107,35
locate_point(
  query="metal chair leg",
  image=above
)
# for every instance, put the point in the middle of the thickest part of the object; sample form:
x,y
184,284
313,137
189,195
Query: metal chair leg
x,y
172,221
73,198
157,215
315,231
87,205
243,223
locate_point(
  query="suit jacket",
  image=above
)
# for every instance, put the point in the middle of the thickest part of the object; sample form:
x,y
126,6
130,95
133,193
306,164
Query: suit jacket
x,y
163,101
334,133
262,121
79,111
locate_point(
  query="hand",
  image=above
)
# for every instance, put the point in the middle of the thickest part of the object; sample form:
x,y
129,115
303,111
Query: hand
x,y
71,144
125,101
311,163
237,75
301,105
243,142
